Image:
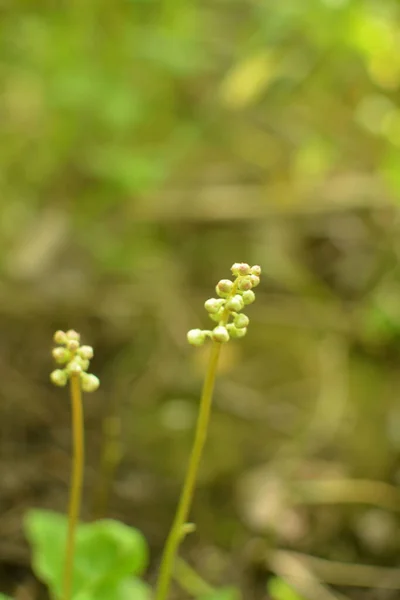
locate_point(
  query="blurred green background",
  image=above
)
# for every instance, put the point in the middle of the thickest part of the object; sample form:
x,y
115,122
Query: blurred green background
x,y
146,145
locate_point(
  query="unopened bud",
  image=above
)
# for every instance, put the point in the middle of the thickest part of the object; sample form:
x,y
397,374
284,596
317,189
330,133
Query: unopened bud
x,y
248,297
255,280
241,321
217,317
60,337
196,337
89,382
237,333
256,270
220,334
59,377
85,352
235,304
82,362
245,284
212,305
188,528
242,269
224,287
74,368
73,335
61,355
73,345
235,268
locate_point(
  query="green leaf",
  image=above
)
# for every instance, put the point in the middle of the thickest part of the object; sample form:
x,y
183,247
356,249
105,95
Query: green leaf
x,y
106,553
4,597
127,589
226,593
280,590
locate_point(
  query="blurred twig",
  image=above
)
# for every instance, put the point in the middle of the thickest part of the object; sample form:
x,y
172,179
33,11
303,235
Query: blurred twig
x,y
302,568
237,202
297,572
354,491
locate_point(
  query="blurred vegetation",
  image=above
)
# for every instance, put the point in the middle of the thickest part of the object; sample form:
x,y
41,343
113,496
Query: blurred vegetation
x,y
147,145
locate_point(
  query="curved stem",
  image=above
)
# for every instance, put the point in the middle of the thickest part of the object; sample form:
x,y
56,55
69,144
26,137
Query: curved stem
x,y
76,482
177,529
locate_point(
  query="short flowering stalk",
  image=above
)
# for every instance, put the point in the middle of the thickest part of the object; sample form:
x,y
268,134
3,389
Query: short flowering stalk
x,y
75,360
231,323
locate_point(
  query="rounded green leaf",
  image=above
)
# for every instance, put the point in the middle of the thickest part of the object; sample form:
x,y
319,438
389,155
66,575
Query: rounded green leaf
x,y
106,552
127,589
109,546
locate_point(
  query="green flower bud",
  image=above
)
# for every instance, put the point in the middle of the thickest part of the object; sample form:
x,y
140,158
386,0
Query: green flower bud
x,y
237,333
224,288
73,335
217,317
220,334
60,337
255,280
241,321
255,270
235,268
82,362
245,284
73,345
74,368
241,269
61,355
196,337
188,528
85,352
59,377
89,382
248,297
212,305
235,304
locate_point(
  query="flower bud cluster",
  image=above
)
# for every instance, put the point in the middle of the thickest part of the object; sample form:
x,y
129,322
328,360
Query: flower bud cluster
x,y
225,310
74,359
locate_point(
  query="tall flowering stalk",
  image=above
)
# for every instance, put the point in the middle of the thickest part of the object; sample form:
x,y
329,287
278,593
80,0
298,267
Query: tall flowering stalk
x,y
75,360
225,310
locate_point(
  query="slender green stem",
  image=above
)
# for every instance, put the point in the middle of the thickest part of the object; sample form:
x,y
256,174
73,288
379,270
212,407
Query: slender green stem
x,y
76,482
177,529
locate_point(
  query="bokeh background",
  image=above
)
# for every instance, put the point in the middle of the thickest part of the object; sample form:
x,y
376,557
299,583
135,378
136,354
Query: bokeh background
x,y
146,145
